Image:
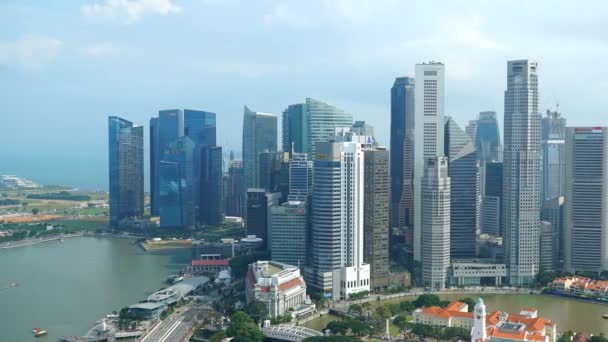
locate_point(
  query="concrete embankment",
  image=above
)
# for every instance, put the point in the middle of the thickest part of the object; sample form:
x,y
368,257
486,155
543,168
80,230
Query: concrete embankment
x,y
28,242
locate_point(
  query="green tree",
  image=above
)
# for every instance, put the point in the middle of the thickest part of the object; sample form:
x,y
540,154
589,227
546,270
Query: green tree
x,y
407,306
424,330
355,309
395,308
337,327
258,310
444,303
401,322
598,338
239,265
566,336
243,329
383,312
218,336
35,211
331,339
427,300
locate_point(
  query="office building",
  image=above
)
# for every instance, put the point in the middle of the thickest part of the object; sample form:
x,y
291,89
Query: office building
x,y
259,135
376,215
236,192
546,247
176,178
586,200
471,130
465,204
552,211
491,204
428,133
487,138
274,173
126,169
311,122
435,216
290,232
553,134
211,194
200,127
363,128
337,217
164,130
259,203
300,177
402,122
521,172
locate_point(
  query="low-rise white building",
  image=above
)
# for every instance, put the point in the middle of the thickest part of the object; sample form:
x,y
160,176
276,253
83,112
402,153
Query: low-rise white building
x,y
280,286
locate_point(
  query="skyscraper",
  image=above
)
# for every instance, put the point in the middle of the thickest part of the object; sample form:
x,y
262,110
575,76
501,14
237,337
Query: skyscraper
x,y
553,212
586,200
200,126
300,177
546,247
463,171
211,209
309,123
274,172
428,132
126,169
435,223
471,129
553,134
259,204
236,192
164,130
376,216
402,119
337,217
290,233
521,172
153,167
259,135
487,138
176,195
491,204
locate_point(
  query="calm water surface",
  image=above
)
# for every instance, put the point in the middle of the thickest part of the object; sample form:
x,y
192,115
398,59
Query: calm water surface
x,y
65,287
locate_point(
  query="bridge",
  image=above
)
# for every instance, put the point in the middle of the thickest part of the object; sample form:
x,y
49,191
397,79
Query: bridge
x,y
289,332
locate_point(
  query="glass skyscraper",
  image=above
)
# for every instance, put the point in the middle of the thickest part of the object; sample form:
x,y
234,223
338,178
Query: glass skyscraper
x,y
236,192
289,237
176,196
402,118
259,135
463,170
553,134
309,123
164,130
487,138
300,177
211,194
126,169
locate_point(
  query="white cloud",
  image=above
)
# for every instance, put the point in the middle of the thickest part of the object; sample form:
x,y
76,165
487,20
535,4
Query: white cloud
x,y
129,11
30,50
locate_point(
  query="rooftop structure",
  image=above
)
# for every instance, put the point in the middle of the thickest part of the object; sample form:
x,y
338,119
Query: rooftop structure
x,y
280,286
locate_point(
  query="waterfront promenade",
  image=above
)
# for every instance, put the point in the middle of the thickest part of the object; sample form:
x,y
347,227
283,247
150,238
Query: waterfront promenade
x,y
28,242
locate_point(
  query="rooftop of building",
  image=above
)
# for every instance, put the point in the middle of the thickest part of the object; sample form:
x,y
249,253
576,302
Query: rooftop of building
x,y
220,262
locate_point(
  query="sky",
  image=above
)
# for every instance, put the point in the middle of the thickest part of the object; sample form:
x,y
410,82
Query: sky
x,y
67,65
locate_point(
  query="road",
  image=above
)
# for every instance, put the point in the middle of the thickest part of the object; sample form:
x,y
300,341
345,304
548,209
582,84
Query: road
x,y
177,327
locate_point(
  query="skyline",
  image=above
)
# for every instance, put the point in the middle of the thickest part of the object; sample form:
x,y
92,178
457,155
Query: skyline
x,y
70,65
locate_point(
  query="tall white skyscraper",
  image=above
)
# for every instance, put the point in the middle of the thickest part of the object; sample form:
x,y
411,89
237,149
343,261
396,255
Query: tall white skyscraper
x,y
586,200
435,223
337,216
521,172
428,132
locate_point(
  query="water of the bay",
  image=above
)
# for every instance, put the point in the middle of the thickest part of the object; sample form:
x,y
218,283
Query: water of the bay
x,y
65,287
569,314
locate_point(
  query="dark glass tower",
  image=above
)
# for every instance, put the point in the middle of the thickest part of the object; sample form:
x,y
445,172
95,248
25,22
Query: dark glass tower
x,y
463,170
236,193
490,212
126,169
402,114
487,139
259,135
153,165
259,203
211,209
176,196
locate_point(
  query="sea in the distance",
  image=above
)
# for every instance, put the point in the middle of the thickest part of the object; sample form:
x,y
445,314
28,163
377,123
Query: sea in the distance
x,y
65,287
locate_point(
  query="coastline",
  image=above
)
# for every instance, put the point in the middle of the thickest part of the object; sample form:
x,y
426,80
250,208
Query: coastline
x,y
29,242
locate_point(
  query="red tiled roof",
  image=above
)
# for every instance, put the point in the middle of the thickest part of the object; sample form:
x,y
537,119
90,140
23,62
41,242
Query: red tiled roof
x,y
221,262
455,306
289,284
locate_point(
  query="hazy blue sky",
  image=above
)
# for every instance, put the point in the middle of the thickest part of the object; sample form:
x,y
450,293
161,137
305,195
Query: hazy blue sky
x,y
66,65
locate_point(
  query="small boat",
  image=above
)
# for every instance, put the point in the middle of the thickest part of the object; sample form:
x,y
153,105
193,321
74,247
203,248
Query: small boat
x,y
40,333
12,284
605,316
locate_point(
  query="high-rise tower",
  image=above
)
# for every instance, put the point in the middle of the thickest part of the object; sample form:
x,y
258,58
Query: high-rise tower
x,y
402,122
521,172
126,169
259,135
428,132
553,134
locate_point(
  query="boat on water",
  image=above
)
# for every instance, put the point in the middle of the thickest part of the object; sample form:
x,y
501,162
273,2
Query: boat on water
x,y
605,316
39,332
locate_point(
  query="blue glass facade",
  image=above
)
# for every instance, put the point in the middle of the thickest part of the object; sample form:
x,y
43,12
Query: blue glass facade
x,y
259,135
126,170
177,207
153,167
211,200
487,139
402,114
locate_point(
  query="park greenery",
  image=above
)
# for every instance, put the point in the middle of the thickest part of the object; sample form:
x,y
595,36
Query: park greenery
x,y
358,295
60,195
243,329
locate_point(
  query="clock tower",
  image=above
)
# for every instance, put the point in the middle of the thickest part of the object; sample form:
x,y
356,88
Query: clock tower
x,y
479,331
